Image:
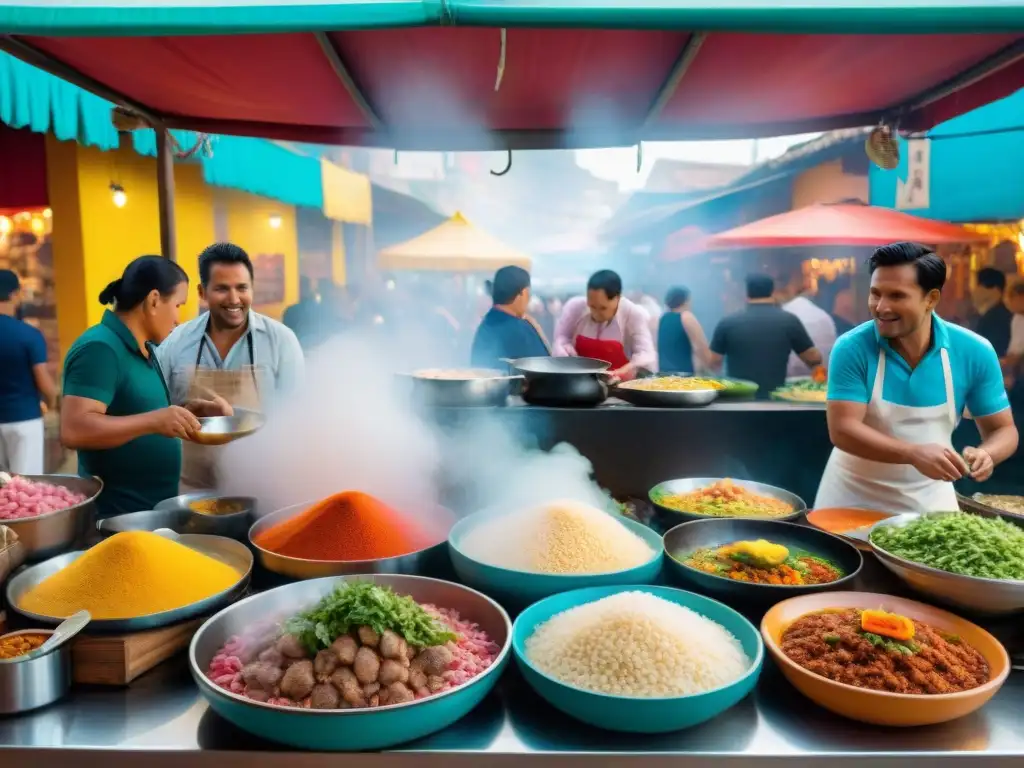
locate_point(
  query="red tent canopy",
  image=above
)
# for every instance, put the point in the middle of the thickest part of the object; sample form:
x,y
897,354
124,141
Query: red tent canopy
x,y
849,224
487,74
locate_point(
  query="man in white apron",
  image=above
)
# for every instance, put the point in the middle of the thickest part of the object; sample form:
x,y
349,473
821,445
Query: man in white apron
x,y
228,355
897,387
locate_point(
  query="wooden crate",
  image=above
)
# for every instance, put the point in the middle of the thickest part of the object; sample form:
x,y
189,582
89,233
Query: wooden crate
x,y
119,659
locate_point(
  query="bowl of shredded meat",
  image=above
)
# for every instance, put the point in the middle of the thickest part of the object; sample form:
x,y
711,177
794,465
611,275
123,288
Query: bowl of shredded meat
x,y
884,660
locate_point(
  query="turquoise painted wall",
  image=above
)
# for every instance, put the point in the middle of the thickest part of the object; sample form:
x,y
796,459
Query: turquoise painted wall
x,y
976,178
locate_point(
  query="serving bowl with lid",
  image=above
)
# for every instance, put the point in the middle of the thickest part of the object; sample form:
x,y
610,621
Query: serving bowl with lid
x,y
348,729
517,589
633,714
882,707
50,534
992,597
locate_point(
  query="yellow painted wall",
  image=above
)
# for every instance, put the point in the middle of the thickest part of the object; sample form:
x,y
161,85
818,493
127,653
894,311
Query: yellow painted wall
x,y
93,240
248,226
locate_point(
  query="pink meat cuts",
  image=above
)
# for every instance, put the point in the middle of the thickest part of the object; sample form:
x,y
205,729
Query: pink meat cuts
x,y
21,498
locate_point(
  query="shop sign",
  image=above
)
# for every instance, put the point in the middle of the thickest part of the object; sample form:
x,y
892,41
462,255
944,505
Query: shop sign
x,y
915,192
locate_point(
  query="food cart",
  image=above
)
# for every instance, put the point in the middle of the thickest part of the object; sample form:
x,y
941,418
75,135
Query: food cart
x,y
484,75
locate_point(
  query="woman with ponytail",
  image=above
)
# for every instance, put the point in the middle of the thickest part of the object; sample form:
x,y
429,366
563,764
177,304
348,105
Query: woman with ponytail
x,y
116,410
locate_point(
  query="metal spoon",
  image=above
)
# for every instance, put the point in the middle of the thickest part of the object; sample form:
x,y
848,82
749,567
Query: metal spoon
x,y
167,533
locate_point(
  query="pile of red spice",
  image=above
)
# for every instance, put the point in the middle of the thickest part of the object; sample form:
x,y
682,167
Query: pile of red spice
x,y
347,526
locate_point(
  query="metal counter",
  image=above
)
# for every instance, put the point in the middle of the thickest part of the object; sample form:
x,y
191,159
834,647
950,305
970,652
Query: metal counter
x,y
160,722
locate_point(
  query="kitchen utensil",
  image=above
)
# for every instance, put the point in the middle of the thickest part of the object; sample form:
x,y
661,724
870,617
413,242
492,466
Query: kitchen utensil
x,y
485,391
220,430
64,632
647,398
44,536
689,484
563,381
31,683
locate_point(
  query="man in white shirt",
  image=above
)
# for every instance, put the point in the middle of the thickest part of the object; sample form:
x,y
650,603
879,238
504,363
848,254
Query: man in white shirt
x,y
819,324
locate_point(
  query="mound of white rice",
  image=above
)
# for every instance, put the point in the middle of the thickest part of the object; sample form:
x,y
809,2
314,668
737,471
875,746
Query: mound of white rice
x,y
636,644
565,537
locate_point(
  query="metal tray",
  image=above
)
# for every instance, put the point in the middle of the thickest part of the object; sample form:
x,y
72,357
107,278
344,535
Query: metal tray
x,y
348,729
233,553
688,484
415,563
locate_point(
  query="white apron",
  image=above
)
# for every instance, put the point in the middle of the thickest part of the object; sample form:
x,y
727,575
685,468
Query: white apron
x,y
850,481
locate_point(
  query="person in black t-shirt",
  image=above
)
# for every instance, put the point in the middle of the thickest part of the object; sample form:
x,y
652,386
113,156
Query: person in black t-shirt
x,y
755,343
994,318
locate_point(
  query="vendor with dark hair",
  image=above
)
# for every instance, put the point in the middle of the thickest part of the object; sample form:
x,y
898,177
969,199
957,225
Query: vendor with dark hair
x,y
994,317
117,412
605,325
682,345
230,356
504,331
897,387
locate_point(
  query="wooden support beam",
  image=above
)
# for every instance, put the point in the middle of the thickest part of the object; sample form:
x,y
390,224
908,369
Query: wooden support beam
x,y
165,194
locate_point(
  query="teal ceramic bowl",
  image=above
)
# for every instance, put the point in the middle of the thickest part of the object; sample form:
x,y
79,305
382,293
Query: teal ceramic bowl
x,y
631,714
518,589
347,729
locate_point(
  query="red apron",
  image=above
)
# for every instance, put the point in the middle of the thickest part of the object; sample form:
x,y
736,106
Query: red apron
x,y
611,352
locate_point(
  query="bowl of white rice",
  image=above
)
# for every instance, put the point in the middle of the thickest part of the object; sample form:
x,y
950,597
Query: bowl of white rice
x,y
637,659
523,556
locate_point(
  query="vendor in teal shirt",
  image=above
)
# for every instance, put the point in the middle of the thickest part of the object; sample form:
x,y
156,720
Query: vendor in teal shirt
x,y
897,388
116,410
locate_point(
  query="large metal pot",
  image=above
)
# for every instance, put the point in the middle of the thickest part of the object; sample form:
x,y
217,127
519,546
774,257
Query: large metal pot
x,y
563,381
54,533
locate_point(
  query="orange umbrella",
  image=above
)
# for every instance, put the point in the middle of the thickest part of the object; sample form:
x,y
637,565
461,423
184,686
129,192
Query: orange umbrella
x,y
842,224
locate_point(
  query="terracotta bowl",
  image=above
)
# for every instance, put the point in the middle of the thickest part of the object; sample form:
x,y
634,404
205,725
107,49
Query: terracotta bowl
x,y
878,707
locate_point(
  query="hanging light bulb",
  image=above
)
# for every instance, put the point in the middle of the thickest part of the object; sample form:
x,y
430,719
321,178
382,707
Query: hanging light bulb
x,y
47,213
5,225
118,195
38,226
274,221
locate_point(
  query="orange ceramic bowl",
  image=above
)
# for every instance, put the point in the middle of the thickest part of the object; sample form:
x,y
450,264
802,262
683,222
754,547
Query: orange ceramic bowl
x,y
879,707
839,520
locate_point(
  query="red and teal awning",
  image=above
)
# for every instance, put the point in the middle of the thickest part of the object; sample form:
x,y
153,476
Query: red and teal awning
x,y
487,74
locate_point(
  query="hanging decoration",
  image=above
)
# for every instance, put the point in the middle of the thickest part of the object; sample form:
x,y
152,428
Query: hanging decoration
x,y
882,148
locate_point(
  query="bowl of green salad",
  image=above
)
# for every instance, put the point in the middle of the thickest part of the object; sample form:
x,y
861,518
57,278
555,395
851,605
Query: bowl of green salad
x,y
971,562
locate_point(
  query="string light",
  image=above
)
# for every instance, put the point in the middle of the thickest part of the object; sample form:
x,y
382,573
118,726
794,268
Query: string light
x,y
119,196
38,226
5,225
47,213
274,221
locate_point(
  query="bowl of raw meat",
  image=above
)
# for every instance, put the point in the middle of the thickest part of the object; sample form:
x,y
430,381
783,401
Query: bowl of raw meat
x,y
50,513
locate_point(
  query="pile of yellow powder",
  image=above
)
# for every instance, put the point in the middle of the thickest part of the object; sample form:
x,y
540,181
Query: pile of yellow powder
x,y
566,537
131,574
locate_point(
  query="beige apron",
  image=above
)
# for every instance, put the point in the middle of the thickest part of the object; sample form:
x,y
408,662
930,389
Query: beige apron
x,y
241,388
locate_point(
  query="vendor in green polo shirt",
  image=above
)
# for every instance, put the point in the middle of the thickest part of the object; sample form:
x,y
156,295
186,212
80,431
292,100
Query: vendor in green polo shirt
x,y
116,410
896,390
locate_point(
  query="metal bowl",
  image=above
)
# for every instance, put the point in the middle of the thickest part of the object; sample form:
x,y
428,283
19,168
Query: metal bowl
x,y
348,729
546,366
703,534
181,521
221,430
33,683
427,560
987,597
55,532
233,553
978,507
646,398
689,484
487,391
234,526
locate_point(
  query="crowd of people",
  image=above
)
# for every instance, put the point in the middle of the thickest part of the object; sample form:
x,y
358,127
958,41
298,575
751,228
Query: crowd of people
x,y
137,382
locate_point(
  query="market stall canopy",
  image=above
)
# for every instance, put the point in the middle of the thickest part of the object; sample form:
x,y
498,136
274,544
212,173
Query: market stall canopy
x,y
455,246
496,74
849,224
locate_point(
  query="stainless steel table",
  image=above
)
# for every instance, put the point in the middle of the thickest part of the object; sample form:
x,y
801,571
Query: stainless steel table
x,y
160,722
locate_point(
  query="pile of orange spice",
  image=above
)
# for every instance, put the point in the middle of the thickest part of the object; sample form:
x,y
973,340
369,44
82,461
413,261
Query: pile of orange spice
x,y
344,527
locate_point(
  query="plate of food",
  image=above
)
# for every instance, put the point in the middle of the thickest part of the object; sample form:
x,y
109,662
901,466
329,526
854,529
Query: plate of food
x,y
760,561
669,391
884,660
698,498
